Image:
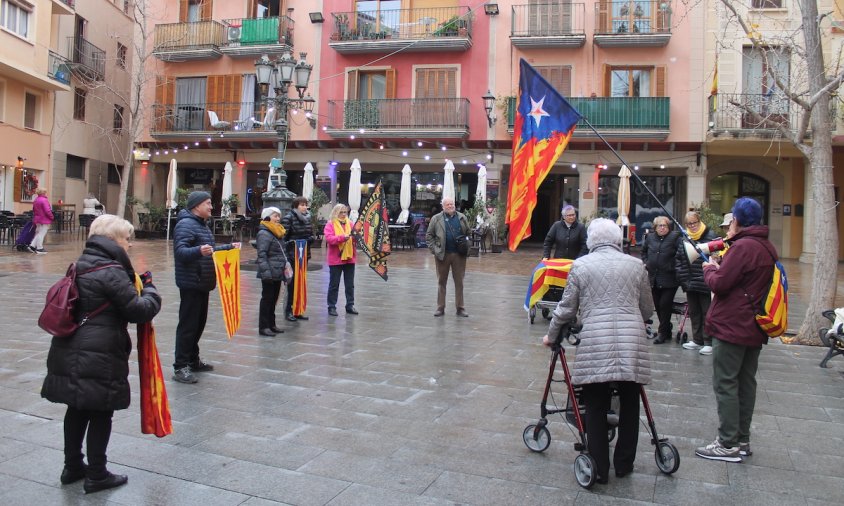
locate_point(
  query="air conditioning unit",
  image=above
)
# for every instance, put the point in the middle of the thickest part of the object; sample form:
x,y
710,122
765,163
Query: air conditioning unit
x,y
234,33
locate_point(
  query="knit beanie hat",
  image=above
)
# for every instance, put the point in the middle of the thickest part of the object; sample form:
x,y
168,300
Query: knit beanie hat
x,y
268,211
747,212
196,198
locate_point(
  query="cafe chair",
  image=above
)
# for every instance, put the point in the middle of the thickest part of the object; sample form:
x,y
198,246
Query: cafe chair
x,y
269,119
5,228
84,224
216,123
407,238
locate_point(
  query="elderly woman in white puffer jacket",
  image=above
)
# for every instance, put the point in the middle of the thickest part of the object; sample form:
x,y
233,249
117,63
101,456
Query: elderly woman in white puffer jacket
x,y
612,293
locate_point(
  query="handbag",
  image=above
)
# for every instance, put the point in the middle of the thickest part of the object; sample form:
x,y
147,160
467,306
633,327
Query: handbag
x,y
462,243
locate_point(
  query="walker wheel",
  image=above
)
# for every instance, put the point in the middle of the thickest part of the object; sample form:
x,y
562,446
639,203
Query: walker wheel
x,y
667,457
536,438
585,471
532,314
546,314
685,337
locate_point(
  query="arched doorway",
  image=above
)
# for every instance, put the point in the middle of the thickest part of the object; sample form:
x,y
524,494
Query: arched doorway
x,y
726,188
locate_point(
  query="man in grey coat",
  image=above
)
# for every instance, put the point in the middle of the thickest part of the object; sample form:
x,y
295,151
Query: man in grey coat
x,y
611,292
442,235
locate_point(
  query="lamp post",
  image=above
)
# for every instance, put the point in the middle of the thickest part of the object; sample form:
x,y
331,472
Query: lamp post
x,y
280,74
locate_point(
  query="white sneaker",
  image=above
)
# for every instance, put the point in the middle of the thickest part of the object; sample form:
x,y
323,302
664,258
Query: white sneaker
x,y
717,451
691,345
706,350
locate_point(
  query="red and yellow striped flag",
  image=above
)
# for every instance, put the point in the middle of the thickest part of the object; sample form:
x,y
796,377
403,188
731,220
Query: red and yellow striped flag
x,y
300,281
155,410
227,264
554,271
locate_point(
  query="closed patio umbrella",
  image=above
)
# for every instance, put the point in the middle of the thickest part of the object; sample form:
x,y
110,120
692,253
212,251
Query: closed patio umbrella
x,y
448,183
308,183
480,194
624,196
404,196
227,190
172,184
354,190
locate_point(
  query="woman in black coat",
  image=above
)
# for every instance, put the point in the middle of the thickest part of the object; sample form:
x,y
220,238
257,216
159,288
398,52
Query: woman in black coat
x,y
271,263
690,276
297,224
659,249
89,371
567,237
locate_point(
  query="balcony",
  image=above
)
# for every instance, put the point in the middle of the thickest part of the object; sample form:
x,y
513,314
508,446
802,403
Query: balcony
x,y
86,60
412,30
558,25
726,115
252,37
238,120
177,42
64,7
616,117
633,23
58,67
399,118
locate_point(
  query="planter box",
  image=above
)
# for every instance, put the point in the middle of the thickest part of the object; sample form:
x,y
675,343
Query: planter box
x,y
496,248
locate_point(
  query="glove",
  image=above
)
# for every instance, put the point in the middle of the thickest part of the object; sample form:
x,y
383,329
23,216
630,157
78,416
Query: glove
x,y
146,278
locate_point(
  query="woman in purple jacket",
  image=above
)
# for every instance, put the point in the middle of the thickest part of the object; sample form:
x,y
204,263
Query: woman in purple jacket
x,y
42,216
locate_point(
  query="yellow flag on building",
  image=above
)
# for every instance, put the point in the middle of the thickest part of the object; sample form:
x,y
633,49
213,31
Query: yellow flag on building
x,y
227,265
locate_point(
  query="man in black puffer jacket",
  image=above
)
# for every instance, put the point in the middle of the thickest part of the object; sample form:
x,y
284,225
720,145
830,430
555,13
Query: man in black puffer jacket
x,y
658,253
193,245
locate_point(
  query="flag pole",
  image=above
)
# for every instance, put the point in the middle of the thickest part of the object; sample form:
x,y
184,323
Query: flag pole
x,y
650,192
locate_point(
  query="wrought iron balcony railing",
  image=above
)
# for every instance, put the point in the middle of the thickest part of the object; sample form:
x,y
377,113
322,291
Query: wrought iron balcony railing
x,y
241,118
548,20
259,31
411,113
615,113
88,60
633,17
186,36
58,67
402,24
727,111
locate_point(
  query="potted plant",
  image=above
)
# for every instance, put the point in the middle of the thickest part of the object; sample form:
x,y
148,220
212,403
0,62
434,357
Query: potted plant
x,y
448,28
499,232
342,22
318,199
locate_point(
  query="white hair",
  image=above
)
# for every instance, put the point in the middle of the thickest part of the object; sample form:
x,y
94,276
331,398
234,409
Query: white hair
x,y
602,231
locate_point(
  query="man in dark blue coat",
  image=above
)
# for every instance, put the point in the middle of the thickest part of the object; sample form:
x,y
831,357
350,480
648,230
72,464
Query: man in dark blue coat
x,y
193,245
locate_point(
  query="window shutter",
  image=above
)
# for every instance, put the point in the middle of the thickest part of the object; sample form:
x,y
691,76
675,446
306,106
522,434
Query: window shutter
x,y
660,80
352,93
16,188
222,95
558,77
436,83
391,83
165,90
207,10
607,80
183,11
603,18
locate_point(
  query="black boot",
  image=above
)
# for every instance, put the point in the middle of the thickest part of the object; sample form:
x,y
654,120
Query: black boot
x,y
290,317
110,481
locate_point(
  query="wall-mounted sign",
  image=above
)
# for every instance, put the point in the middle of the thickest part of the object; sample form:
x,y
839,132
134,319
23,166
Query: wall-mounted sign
x,y
786,209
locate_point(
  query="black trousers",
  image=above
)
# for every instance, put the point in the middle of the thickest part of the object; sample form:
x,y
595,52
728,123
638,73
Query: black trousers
x,y
596,398
97,425
664,301
193,312
269,298
348,272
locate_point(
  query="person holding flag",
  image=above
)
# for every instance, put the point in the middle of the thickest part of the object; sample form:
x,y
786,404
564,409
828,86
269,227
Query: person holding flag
x,y
341,257
193,245
298,237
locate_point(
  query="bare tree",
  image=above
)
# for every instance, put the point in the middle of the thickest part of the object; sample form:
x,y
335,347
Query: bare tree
x,y
807,90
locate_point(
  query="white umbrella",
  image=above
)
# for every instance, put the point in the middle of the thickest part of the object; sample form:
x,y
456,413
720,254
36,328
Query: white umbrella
x,y
448,183
308,183
354,191
404,196
624,196
480,194
171,193
227,190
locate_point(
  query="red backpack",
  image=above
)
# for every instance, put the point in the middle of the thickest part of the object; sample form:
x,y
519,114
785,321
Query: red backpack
x,y
58,317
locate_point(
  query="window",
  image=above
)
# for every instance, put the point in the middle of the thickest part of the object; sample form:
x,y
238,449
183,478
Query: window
x,y
761,69
127,4
75,167
630,81
121,55
114,172
193,11
79,95
14,16
767,4
118,118
2,99
436,83
30,111
559,77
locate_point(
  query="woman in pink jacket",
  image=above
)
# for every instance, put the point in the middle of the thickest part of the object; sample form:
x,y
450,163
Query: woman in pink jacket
x,y
42,216
341,258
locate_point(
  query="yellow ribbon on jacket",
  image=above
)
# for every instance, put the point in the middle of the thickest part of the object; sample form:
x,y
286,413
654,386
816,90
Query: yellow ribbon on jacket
x,y
347,249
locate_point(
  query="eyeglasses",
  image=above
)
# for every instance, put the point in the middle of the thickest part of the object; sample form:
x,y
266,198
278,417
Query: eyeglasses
x,y
569,215
661,225
692,223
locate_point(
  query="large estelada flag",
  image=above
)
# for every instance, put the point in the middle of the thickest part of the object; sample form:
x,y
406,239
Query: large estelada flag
x,y
372,233
543,125
227,264
155,410
300,277
551,272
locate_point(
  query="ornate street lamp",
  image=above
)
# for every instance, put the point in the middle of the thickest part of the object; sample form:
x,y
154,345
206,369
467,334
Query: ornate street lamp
x,y
280,74
489,103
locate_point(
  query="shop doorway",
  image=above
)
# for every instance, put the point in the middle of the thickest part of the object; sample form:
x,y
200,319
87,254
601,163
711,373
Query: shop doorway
x,y
726,188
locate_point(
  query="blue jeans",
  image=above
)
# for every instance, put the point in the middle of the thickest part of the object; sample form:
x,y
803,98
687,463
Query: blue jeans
x,y
334,272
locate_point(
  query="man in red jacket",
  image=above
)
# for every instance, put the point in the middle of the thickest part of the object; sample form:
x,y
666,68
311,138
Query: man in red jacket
x,y
738,282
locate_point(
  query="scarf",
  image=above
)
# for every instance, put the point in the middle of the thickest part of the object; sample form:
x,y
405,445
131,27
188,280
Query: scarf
x,y
695,236
347,249
277,229
303,217
155,410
